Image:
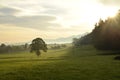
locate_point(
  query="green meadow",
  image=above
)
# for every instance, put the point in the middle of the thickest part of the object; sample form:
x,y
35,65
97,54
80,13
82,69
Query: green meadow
x,y
83,63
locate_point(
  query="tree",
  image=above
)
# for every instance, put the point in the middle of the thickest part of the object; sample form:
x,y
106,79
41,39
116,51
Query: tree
x,y
75,42
83,40
26,46
106,34
2,45
2,48
37,45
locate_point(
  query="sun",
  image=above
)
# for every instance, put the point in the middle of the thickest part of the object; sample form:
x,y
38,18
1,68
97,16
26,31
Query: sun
x,y
108,12
100,12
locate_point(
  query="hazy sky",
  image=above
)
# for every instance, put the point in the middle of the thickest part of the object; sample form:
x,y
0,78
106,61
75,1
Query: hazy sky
x,y
24,20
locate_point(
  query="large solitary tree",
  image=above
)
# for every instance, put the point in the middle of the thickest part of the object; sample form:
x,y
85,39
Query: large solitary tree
x,y
37,45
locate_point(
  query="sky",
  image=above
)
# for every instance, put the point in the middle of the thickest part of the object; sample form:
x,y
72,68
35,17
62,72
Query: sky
x,y
24,20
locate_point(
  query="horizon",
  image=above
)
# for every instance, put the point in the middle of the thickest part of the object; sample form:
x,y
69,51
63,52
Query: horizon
x,y
24,20
60,40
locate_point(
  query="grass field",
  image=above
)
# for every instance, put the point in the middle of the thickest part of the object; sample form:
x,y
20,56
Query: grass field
x,y
84,63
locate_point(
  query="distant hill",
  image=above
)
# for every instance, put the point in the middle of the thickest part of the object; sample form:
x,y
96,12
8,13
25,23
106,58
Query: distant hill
x,y
62,40
52,41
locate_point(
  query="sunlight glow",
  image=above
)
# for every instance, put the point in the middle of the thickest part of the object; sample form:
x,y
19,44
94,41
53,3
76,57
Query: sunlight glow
x,y
59,18
96,13
109,12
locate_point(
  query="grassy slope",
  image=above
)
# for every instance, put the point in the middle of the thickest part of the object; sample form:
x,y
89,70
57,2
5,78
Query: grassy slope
x,y
84,63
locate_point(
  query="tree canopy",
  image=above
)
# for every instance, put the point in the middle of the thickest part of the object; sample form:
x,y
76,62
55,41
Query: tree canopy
x,y
37,45
105,35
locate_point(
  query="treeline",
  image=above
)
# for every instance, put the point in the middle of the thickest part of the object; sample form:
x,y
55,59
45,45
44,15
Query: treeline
x,y
13,48
58,46
105,35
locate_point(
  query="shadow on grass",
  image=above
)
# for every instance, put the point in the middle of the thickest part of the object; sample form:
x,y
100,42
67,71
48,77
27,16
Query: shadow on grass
x,y
83,51
10,57
109,53
30,60
87,51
